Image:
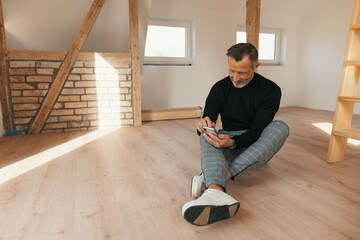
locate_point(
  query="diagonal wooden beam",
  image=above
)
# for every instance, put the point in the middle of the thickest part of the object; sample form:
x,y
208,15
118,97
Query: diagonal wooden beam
x,y
135,59
65,68
4,90
253,22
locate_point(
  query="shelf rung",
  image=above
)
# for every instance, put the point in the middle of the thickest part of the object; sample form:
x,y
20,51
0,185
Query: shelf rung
x,y
352,63
355,26
349,133
349,99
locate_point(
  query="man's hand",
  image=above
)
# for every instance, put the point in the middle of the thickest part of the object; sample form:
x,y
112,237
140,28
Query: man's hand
x,y
219,141
204,122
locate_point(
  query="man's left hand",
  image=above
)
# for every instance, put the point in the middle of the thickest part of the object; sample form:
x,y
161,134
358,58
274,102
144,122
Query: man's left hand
x,y
219,141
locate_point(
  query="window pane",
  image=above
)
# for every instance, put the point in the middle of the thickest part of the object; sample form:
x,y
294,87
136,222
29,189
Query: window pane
x,y
162,41
240,37
267,45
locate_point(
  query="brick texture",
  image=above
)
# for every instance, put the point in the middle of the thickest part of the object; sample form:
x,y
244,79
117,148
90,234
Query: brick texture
x,y
95,94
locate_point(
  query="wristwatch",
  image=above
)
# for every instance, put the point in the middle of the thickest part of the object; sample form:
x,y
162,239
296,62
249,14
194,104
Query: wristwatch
x,y
233,145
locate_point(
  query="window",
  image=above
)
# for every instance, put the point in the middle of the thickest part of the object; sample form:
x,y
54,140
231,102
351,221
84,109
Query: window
x,y
269,44
168,42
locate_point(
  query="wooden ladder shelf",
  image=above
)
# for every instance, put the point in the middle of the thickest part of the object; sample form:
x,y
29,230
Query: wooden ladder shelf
x,y
347,98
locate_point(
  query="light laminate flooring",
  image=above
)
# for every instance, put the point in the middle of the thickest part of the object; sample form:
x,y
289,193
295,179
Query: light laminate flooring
x,y
131,183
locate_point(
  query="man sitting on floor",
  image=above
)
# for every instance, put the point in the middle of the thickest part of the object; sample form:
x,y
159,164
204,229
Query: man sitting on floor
x,y
247,103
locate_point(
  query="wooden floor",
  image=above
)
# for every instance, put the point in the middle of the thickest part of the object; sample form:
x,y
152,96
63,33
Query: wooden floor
x,y
131,183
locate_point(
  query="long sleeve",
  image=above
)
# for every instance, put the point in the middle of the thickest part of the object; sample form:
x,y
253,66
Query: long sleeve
x,y
213,103
265,114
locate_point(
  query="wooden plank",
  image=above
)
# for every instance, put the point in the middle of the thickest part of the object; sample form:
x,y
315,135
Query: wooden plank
x,y
65,68
53,55
355,26
337,148
352,63
91,56
350,99
353,55
349,81
4,92
35,55
253,22
348,133
135,59
342,120
155,115
355,18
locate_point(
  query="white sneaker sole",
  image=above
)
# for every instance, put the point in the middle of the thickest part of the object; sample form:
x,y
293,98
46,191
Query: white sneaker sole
x,y
206,214
193,193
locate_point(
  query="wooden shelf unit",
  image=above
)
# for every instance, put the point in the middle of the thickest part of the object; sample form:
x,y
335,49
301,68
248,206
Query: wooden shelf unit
x,y
347,98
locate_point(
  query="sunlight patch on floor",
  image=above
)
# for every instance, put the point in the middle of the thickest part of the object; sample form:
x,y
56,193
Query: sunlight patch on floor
x,y
327,127
27,164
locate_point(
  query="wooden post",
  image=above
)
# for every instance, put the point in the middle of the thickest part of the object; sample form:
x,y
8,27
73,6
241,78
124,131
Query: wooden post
x,y
253,22
65,68
135,59
4,92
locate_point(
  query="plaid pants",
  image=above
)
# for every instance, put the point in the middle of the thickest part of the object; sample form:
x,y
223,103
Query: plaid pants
x,y
217,162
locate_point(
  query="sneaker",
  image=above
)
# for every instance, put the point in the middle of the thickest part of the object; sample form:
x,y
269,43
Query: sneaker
x,y
211,207
197,186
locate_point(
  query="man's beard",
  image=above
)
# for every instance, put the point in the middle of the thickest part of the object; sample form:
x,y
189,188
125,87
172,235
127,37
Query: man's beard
x,y
242,84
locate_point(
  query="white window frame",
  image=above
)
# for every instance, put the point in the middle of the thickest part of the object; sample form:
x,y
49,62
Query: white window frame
x,y
277,33
187,60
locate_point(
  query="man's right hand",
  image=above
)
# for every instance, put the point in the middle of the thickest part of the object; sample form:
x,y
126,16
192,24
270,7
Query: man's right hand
x,y
206,121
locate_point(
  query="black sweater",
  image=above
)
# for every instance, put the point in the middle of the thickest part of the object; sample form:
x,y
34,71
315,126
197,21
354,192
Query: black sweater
x,y
250,108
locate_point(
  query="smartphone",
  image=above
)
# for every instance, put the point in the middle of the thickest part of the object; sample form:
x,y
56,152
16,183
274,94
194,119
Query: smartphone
x,y
210,130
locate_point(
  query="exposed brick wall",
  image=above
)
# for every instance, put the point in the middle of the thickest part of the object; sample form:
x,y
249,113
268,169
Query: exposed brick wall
x,y
95,94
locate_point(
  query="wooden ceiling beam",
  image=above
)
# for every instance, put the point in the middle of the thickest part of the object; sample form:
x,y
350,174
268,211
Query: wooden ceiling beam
x,y
253,22
4,90
65,68
135,59
60,56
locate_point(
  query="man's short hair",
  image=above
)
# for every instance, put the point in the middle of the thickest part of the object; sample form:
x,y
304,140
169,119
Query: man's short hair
x,y
240,50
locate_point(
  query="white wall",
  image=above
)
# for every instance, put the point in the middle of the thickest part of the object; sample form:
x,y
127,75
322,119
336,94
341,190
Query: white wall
x,y
52,25
215,27
186,86
324,28
284,14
